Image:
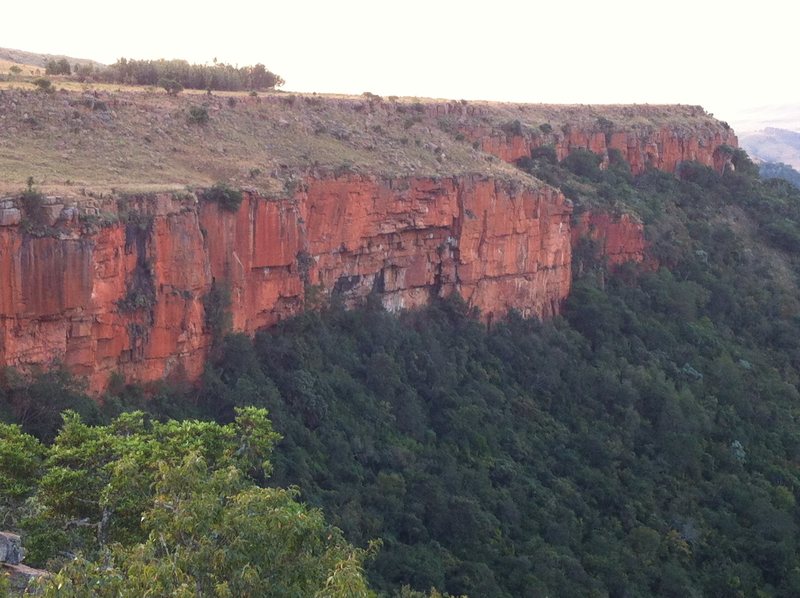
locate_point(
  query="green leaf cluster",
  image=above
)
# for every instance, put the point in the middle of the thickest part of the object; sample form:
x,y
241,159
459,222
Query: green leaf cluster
x,y
227,197
140,507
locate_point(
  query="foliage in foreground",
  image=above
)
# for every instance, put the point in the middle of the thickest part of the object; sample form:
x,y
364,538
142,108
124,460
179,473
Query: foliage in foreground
x,y
140,508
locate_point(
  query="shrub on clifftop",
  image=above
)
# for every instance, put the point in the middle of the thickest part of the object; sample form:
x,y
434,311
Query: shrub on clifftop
x,y
33,209
227,197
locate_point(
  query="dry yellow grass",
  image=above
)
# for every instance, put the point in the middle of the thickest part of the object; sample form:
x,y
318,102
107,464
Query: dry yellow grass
x,y
100,137
27,69
145,138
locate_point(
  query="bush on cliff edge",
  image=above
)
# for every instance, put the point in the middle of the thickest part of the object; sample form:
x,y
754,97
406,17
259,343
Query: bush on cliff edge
x,y
227,197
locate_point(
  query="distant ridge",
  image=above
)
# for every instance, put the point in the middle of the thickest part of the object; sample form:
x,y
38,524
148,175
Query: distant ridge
x,y
773,145
40,59
782,116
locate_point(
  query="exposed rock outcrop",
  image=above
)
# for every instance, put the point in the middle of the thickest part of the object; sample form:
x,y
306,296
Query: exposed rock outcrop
x,y
122,288
663,148
645,135
128,296
11,551
11,556
618,239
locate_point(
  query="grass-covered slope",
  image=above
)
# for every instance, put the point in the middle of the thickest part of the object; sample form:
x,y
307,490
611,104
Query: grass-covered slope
x,y
90,139
128,141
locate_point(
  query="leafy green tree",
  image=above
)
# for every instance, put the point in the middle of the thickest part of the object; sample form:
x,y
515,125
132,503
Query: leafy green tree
x,y
98,479
36,401
171,509
44,85
21,458
171,86
583,163
58,67
213,533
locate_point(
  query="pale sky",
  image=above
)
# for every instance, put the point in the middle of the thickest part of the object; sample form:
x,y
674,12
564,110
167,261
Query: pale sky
x,y
727,56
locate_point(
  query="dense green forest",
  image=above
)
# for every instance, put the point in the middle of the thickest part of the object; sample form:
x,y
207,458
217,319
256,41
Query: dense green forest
x,y
644,443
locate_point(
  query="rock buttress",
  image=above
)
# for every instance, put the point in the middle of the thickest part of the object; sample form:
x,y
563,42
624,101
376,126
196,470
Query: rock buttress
x,y
618,239
126,297
499,244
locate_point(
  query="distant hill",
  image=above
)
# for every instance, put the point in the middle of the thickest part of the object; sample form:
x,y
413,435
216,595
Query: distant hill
x,y
778,170
36,59
773,145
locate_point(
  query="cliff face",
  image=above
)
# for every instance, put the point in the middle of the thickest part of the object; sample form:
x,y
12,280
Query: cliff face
x,y
128,297
120,286
125,297
499,245
663,148
646,136
617,239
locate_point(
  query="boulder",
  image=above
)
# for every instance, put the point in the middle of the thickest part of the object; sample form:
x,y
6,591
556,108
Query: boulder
x,y
11,551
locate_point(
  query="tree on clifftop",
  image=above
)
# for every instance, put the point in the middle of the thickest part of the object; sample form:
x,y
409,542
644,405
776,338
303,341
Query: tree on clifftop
x,y
219,76
261,78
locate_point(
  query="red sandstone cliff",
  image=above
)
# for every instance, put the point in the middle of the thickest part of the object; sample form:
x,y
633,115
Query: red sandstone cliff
x,y
125,292
82,298
663,148
646,136
618,238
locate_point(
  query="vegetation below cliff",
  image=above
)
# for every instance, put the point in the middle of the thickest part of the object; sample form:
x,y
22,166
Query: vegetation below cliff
x,y
773,144
644,443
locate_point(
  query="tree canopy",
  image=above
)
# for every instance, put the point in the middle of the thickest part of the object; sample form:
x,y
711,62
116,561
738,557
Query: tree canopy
x,y
219,76
140,507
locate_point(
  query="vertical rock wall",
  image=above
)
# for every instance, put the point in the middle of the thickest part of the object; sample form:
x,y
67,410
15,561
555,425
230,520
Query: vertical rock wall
x,y
663,148
128,297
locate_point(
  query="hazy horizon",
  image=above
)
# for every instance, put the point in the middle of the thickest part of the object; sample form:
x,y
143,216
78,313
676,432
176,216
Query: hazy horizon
x,y
728,61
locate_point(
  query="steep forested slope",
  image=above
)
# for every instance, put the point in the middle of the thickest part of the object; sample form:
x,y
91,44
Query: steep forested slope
x,y
644,443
